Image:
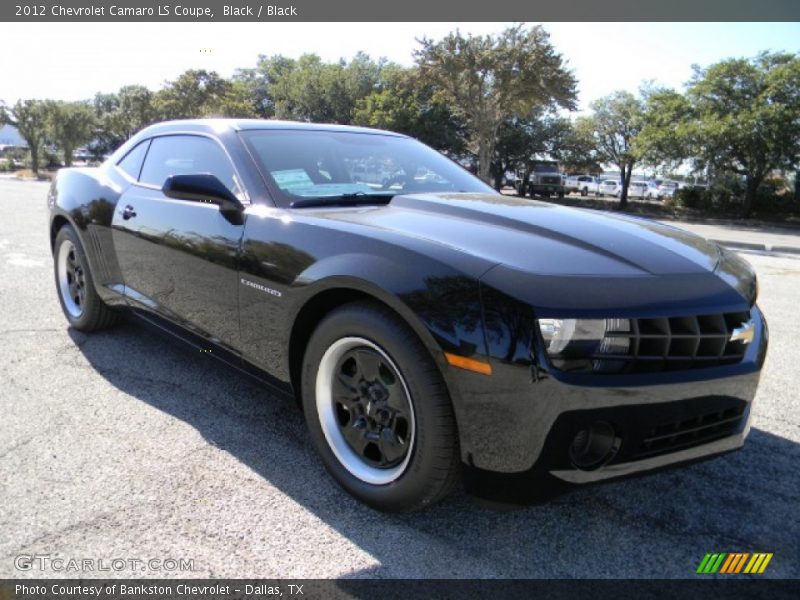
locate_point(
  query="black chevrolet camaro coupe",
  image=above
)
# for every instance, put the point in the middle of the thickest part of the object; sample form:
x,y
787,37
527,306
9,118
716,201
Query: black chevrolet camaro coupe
x,y
433,330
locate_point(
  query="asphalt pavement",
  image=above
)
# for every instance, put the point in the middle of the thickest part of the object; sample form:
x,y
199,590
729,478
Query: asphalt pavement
x,y
122,445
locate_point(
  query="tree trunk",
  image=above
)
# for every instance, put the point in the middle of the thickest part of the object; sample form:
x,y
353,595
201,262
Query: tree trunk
x,y
485,149
67,157
523,186
498,181
749,195
797,186
34,159
625,179
497,176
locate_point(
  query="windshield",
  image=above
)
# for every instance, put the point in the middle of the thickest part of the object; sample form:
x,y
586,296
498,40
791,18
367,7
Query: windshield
x,y
333,165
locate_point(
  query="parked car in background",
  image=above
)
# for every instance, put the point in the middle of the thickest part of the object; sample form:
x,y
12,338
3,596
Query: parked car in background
x,y
582,184
636,189
667,189
545,180
652,192
609,187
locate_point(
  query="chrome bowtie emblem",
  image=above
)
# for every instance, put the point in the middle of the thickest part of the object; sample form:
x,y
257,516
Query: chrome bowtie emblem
x,y
744,333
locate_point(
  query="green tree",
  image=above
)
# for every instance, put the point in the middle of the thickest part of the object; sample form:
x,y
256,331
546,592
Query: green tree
x,y
30,119
259,81
522,142
576,151
615,124
746,117
69,125
120,115
308,89
488,80
200,93
406,104
665,140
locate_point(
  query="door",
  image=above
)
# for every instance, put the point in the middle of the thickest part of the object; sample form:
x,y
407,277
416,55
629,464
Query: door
x,y
179,258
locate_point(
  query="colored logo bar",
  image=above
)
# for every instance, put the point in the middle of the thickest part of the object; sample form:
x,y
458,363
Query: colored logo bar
x,y
729,563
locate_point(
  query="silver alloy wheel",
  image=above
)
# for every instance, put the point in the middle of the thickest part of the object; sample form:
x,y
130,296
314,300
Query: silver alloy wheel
x,y
359,466
71,279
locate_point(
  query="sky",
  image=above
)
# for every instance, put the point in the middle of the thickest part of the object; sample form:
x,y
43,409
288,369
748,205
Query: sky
x,y
73,61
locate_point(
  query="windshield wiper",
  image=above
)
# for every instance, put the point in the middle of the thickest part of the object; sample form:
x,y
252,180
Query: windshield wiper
x,y
354,199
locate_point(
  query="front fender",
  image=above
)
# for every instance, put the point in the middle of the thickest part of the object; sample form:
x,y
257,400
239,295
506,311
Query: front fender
x,y
86,199
443,309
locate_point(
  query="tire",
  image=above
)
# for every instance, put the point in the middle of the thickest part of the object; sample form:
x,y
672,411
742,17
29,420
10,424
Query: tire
x,y
584,192
361,360
82,306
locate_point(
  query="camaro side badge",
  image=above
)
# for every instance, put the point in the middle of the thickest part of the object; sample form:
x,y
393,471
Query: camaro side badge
x,y
744,333
262,288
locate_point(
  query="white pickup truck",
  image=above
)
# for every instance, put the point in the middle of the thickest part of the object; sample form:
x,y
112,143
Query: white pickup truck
x,y
583,184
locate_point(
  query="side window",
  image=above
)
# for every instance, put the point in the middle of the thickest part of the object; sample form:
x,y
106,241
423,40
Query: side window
x,y
132,162
185,155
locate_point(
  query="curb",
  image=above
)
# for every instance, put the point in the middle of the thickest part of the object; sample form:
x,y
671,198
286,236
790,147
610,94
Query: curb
x,y
789,249
758,247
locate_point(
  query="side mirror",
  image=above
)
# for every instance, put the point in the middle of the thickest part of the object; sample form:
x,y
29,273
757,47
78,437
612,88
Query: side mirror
x,y
202,187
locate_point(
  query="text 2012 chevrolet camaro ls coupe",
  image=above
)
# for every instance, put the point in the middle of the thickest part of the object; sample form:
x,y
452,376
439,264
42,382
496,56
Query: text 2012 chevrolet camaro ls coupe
x,y
429,326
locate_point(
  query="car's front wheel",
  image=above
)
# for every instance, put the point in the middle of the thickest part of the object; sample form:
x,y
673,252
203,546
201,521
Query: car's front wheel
x,y
378,410
82,306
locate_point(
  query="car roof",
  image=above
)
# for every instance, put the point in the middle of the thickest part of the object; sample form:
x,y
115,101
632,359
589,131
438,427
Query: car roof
x,y
221,125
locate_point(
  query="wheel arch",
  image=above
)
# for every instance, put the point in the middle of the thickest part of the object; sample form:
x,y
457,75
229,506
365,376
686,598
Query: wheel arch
x,y
336,294
56,224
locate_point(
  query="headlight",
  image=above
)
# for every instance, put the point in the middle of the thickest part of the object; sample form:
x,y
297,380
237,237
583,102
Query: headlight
x,y
580,344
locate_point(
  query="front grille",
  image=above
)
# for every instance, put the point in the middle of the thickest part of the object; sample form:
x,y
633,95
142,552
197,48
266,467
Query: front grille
x,y
670,344
552,180
679,435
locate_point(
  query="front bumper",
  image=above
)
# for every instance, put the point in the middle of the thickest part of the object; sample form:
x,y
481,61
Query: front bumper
x,y
518,437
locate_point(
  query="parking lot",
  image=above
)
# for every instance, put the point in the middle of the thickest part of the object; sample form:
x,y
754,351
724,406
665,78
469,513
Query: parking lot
x,y
123,445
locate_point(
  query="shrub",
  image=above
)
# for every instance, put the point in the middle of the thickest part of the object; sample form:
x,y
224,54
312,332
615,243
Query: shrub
x,y
693,197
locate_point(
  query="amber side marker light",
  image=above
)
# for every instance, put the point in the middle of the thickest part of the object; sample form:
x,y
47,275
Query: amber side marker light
x,y
470,364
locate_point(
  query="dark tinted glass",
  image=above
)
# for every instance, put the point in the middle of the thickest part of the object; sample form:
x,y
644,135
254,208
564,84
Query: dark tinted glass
x,y
132,163
331,164
187,155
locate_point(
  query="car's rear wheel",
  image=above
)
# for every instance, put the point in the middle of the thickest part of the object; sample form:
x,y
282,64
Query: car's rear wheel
x,y
378,409
82,306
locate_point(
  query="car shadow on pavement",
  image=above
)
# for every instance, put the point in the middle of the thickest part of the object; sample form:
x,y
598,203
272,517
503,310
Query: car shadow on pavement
x,y
655,526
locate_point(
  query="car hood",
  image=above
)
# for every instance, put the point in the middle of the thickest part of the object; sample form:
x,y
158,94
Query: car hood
x,y
567,261
541,238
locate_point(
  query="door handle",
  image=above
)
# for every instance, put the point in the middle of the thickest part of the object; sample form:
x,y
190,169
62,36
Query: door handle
x,y
128,212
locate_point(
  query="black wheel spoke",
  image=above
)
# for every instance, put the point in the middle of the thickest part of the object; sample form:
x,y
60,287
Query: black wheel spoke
x,y
392,448
397,400
369,364
356,435
344,385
